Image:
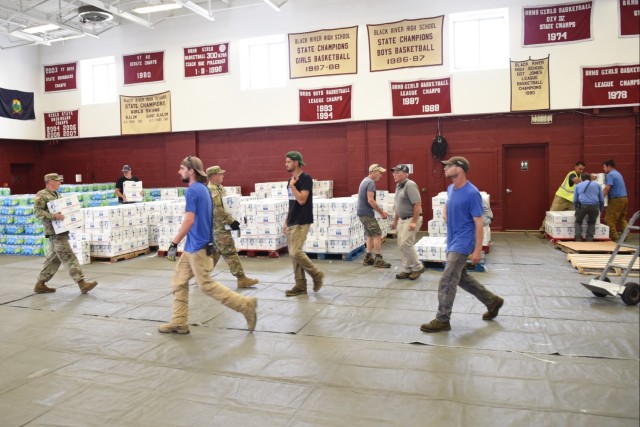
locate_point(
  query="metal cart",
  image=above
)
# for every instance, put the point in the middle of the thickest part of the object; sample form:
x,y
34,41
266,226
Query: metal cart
x,y
601,286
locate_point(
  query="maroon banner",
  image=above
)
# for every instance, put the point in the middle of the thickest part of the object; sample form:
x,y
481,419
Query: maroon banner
x,y
60,77
143,68
564,23
322,105
613,85
421,97
629,11
61,124
206,60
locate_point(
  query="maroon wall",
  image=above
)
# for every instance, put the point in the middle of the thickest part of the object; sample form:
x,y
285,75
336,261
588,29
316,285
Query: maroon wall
x,y
342,152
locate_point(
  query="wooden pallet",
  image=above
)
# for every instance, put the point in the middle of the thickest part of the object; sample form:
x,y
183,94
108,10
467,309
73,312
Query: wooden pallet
x,y
334,256
600,247
594,263
557,240
252,253
116,258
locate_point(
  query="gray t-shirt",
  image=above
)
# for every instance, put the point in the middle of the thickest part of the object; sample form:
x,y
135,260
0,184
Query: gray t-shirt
x,y
364,208
407,195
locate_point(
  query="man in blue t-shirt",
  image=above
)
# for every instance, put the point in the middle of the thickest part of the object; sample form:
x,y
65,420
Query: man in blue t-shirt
x,y
464,236
618,202
366,206
196,260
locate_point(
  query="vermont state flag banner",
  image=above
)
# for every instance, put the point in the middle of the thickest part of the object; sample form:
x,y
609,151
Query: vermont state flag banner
x,y
15,104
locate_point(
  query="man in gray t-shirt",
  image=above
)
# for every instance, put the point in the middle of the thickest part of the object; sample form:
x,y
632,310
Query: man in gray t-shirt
x,y
407,220
366,207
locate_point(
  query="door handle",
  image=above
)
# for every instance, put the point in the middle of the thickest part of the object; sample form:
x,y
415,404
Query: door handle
x,y
509,191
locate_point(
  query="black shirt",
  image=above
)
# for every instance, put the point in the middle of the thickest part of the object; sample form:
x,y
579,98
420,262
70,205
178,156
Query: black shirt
x,y
120,184
301,214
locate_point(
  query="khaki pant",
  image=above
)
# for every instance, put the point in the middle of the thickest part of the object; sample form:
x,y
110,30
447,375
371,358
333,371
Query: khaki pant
x,y
616,214
200,265
559,204
406,240
296,236
60,252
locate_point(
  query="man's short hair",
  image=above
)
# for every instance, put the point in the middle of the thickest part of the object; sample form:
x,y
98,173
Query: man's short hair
x,y
610,163
581,163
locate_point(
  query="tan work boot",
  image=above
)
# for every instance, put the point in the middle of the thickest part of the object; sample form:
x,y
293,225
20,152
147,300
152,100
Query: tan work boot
x,y
246,282
249,311
41,288
368,259
86,286
318,281
380,263
167,328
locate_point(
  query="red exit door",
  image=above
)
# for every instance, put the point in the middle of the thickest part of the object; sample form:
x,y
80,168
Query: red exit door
x,y
525,184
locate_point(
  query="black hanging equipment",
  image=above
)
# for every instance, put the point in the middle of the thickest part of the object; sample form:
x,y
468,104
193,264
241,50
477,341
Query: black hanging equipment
x,y
439,145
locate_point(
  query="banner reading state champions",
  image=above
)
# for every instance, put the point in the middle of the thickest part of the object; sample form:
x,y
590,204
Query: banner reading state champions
x,y
145,114
323,53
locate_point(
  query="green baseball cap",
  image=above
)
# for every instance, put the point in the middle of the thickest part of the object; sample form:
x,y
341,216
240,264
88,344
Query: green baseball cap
x,y
295,156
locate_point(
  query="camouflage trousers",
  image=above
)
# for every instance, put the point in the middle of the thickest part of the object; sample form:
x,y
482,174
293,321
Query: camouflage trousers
x,y
60,252
224,243
454,275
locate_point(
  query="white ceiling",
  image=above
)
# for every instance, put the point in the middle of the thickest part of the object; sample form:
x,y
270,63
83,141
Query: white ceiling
x,y
18,15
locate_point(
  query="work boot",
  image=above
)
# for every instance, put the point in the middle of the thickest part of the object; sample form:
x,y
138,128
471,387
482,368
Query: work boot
x,y
493,309
436,326
380,263
368,260
298,289
245,282
86,286
403,275
249,311
415,274
317,281
41,288
174,327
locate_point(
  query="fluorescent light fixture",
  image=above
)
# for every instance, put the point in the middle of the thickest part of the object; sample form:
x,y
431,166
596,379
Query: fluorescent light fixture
x,y
275,5
157,8
199,10
40,29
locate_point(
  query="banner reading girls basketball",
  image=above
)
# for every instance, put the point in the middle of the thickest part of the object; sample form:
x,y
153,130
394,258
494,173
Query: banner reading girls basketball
x,y
421,97
60,77
145,114
563,23
323,53
612,85
629,11
61,124
143,68
323,105
206,60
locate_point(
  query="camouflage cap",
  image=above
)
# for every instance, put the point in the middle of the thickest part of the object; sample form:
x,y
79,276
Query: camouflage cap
x,y
53,177
215,170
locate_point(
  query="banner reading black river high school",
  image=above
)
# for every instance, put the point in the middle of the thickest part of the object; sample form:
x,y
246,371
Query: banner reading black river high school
x,y
324,105
17,105
323,53
562,23
145,114
530,85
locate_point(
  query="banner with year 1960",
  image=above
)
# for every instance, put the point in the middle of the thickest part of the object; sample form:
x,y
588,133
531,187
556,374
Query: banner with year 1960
x,y
143,67
530,89
145,114
323,53
562,23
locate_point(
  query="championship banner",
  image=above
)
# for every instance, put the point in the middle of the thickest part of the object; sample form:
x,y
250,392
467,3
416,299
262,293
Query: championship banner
x,y
564,23
405,44
609,86
61,124
17,105
323,105
206,60
421,97
629,11
323,53
60,77
145,114
530,85
143,68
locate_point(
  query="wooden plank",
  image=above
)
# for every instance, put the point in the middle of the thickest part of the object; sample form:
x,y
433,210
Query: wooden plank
x,y
590,247
595,263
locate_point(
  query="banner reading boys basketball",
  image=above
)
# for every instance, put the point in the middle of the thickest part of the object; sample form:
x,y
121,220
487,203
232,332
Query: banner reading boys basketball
x,y
61,124
323,105
145,114
611,85
404,44
421,97
206,60
563,23
530,85
629,11
60,77
143,68
323,53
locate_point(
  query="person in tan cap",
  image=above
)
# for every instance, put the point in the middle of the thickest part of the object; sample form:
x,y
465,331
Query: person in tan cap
x,y
366,207
59,248
224,241
464,237
196,260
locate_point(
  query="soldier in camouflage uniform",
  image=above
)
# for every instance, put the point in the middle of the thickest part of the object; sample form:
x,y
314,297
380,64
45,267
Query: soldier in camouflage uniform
x,y
59,248
224,241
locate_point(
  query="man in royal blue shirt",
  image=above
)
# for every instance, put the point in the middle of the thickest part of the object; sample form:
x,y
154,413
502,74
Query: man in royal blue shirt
x,y
616,191
196,260
464,236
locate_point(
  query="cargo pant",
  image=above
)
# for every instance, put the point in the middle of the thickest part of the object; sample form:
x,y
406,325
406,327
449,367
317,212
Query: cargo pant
x,y
200,265
616,214
60,252
296,236
227,248
454,275
406,240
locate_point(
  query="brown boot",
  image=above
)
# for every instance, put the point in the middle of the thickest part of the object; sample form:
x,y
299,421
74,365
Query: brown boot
x,y
246,282
368,259
318,281
177,328
380,263
249,312
41,288
86,286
